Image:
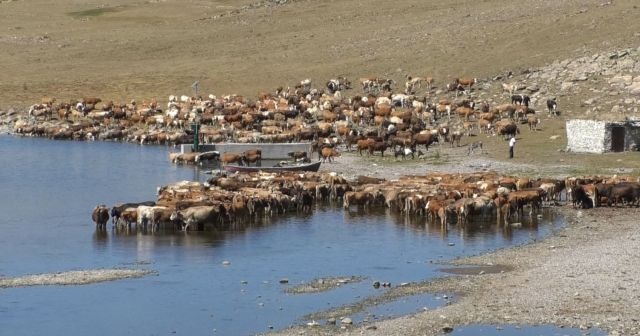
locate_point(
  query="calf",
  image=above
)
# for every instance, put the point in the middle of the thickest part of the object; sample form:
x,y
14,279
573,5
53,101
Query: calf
x,y
533,122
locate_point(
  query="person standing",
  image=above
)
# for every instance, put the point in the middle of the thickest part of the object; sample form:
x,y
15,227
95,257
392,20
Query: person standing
x,y
512,143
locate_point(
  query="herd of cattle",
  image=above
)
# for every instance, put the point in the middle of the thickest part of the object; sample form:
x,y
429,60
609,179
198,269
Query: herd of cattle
x,y
375,120
440,197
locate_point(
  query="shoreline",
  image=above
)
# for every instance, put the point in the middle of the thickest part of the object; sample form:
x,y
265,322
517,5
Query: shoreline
x,y
582,276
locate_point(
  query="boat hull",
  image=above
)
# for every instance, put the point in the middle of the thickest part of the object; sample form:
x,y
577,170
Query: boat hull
x,y
312,167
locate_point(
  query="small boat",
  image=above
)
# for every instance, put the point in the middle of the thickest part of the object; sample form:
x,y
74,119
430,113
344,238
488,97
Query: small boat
x,y
313,167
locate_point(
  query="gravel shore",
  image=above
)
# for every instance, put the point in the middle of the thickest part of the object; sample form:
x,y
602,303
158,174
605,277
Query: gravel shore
x,y
584,276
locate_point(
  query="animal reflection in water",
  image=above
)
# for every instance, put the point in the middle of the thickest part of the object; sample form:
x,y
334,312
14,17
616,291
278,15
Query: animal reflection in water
x,y
442,198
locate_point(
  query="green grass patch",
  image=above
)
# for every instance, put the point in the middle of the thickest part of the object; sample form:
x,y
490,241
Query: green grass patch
x,y
93,12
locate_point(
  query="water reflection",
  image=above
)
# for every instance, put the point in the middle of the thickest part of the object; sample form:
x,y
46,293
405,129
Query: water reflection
x,y
57,235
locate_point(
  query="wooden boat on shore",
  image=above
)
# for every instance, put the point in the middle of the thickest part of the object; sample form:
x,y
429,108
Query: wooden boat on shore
x,y
312,167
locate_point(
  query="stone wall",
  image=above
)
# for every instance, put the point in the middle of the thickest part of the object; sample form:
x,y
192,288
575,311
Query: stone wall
x,y
588,136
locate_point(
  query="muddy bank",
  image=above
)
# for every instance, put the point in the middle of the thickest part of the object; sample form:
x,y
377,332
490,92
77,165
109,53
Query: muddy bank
x,y
83,277
582,277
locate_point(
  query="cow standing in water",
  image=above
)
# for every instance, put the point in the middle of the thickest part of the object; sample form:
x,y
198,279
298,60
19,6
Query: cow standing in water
x,y
100,216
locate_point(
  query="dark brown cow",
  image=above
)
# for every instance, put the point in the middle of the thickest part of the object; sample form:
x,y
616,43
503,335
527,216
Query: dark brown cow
x,y
378,146
425,139
100,216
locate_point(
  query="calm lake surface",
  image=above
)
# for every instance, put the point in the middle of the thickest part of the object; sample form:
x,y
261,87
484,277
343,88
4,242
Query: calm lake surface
x,y
50,187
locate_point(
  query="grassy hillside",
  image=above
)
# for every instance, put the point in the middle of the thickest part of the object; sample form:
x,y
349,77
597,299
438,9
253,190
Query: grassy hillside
x,y
130,49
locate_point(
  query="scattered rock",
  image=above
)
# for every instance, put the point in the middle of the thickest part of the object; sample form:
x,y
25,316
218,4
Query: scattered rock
x,y
284,281
565,86
331,320
447,328
346,320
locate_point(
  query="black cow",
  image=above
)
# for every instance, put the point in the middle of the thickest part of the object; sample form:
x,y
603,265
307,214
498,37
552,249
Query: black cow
x,y
552,106
520,99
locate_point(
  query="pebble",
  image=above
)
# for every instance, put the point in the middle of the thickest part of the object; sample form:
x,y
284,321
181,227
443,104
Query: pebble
x,y
346,320
331,320
447,328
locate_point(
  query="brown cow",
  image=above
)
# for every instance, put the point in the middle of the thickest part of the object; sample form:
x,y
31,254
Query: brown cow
x,y
328,152
425,139
378,146
91,100
100,216
231,157
252,156
364,144
358,198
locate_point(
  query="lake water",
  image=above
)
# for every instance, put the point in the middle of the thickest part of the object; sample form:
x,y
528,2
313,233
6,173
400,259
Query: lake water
x,y
50,187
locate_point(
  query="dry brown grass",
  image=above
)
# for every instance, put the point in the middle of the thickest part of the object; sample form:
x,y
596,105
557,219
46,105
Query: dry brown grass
x,y
143,49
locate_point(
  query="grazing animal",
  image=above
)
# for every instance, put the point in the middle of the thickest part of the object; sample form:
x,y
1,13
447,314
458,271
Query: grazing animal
x,y
425,139
473,146
328,153
455,137
511,88
520,99
552,106
339,84
533,122
404,152
100,216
